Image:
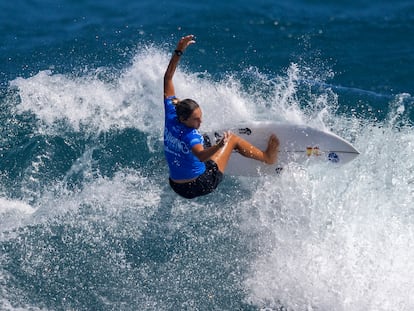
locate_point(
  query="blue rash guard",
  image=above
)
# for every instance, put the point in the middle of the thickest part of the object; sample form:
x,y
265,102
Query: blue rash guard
x,y
178,142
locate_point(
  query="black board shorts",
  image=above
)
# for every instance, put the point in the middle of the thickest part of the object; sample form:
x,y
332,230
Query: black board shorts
x,y
202,185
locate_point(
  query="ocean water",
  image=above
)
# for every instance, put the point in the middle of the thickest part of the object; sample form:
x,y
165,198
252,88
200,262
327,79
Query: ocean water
x,y
87,220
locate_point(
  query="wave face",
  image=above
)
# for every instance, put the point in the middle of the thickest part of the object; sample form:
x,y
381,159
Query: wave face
x,y
87,219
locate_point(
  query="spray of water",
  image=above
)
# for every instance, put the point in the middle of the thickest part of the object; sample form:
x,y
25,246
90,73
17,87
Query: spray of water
x,y
322,238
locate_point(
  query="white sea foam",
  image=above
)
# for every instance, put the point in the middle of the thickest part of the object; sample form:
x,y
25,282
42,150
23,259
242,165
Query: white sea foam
x,y
326,238
340,239
13,212
100,100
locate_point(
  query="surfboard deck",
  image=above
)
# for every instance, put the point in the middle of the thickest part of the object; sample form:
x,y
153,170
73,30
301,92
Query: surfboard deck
x,y
298,143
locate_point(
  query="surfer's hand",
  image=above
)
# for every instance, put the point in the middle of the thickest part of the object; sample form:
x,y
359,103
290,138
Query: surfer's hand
x,y
224,139
185,42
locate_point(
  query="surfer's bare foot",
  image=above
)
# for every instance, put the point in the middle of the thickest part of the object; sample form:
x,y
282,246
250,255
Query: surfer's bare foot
x,y
272,149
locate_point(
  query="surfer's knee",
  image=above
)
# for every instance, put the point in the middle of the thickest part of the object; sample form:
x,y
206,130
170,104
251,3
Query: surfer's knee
x,y
270,154
232,140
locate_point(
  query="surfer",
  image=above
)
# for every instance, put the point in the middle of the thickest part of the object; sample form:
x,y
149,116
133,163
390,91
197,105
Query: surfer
x,y
195,170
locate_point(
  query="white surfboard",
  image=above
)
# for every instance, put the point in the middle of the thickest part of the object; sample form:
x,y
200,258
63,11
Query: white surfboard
x,y
298,143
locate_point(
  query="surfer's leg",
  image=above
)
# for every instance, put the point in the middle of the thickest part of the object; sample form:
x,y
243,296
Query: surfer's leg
x,y
246,149
268,156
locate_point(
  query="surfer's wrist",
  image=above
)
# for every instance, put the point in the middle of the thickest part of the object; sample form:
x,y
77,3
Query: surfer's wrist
x,y
178,52
220,144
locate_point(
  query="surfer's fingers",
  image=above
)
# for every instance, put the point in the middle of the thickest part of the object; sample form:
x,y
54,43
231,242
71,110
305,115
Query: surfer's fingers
x,y
185,42
224,139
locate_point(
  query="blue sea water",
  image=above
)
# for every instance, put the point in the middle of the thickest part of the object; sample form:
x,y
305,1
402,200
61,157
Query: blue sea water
x,y
87,220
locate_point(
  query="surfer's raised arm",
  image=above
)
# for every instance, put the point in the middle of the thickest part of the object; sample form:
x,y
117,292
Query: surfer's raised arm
x,y
169,73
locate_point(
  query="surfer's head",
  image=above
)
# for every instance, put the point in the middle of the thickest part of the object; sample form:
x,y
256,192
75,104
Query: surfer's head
x,y
189,113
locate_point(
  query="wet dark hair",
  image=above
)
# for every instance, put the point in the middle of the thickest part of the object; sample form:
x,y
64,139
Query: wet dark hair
x,y
185,108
